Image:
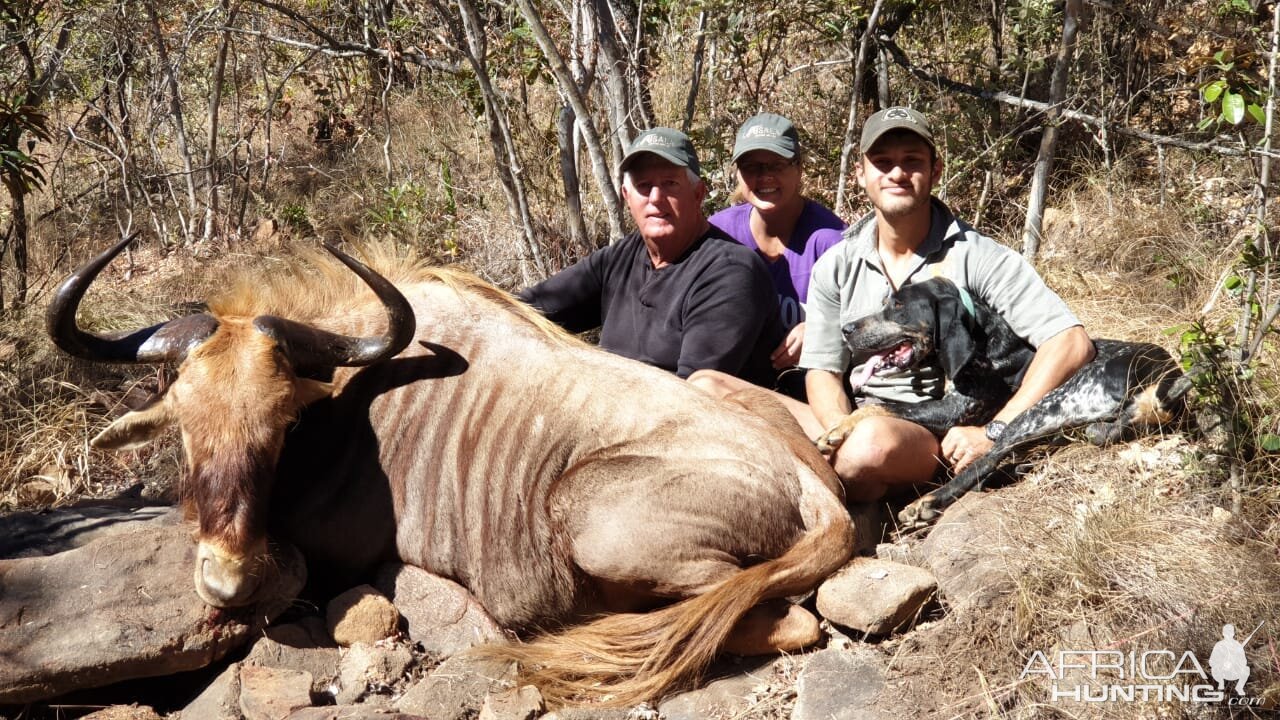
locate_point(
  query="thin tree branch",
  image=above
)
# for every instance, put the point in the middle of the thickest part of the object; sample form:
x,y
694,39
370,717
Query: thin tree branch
x,y
900,57
411,55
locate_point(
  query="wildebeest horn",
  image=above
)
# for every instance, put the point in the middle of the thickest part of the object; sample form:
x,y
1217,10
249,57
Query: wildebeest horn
x,y
165,341
311,348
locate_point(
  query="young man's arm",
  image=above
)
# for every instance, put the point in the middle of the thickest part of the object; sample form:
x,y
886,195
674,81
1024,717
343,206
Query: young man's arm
x,y
1056,360
827,397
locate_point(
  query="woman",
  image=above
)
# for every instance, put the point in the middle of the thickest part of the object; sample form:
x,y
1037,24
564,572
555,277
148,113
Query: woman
x,y
787,229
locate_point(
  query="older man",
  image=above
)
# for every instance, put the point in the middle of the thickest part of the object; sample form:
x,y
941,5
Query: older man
x,y
677,293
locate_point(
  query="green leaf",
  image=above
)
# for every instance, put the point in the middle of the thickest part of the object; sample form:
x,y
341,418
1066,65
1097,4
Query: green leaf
x,y
1256,112
1232,107
1233,282
1269,442
1206,123
1212,91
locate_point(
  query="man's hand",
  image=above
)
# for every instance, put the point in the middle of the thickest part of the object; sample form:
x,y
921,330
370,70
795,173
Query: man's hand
x,y
787,354
963,444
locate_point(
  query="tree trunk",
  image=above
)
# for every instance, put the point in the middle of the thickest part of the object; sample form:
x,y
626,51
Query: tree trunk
x,y
215,103
179,125
564,79
468,33
855,103
569,176
1049,140
699,53
617,89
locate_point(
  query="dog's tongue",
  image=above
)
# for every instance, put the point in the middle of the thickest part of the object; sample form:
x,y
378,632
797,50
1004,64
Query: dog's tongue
x,y
868,369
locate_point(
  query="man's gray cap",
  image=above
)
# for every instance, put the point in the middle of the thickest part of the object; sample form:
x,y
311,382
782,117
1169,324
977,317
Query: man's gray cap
x,y
770,132
671,145
894,118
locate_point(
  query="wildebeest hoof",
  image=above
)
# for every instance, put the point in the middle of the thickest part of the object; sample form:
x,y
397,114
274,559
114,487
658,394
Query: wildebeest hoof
x,y
920,514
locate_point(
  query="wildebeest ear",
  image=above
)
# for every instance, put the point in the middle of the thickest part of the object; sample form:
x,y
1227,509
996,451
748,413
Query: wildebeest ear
x,y
135,429
307,391
956,345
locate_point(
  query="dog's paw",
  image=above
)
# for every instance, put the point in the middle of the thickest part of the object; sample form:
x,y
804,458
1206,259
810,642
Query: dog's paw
x,y
920,514
830,441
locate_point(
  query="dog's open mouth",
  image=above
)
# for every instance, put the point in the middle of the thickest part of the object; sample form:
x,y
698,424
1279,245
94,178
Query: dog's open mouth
x,y
898,356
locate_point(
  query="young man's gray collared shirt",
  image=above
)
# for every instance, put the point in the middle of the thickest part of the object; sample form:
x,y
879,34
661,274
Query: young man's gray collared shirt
x,y
849,283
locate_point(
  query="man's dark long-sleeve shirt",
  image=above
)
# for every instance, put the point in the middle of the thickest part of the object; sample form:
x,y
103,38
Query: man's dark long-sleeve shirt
x,y
713,308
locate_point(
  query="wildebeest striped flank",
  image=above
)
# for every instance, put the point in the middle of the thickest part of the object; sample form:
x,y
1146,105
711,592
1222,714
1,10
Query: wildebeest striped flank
x,y
437,421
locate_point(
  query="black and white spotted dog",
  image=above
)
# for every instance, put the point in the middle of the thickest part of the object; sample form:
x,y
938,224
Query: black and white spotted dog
x,y
1128,387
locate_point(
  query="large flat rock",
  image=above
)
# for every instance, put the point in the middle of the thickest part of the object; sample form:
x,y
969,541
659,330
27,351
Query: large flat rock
x,y
122,606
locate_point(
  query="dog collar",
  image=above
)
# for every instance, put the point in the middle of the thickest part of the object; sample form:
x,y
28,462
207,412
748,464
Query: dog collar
x,y
967,300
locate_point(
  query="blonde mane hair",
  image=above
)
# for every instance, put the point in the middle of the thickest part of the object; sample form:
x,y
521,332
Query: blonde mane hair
x,y
314,286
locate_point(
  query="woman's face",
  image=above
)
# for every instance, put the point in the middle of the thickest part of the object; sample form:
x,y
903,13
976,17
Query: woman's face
x,y
769,181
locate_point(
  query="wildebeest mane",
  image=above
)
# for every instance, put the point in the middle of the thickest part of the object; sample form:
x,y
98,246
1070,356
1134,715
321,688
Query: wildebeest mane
x,y
315,288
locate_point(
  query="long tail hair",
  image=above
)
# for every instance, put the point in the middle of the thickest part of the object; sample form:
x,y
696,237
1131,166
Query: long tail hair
x,y
623,659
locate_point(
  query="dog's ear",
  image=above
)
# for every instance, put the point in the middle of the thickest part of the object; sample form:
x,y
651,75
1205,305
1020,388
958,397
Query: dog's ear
x,y
954,338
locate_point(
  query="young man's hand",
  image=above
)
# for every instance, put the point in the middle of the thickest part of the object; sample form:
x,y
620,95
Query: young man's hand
x,y
963,444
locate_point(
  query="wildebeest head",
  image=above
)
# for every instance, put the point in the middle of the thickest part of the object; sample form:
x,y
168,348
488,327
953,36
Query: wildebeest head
x,y
915,321
241,382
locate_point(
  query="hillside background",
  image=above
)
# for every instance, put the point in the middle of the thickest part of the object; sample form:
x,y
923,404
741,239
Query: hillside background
x,y
1122,146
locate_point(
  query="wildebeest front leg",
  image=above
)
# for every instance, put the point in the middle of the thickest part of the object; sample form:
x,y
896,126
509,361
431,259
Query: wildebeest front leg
x,y
830,441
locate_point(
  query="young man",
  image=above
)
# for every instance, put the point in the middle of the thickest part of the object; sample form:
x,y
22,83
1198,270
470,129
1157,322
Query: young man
x,y
911,236
676,293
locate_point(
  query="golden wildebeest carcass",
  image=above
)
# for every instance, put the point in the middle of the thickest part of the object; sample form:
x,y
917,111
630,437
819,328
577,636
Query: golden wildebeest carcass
x,y
440,422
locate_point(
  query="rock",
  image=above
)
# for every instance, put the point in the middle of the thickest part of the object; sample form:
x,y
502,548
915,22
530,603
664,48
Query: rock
x,y
875,596
38,534
349,712
969,550
220,700
273,693
899,552
371,667
304,645
590,713
440,614
457,688
843,685
724,697
121,607
123,712
361,614
523,703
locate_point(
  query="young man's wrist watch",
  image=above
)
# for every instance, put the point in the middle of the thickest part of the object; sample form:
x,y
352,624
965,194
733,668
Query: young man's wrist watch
x,y
994,430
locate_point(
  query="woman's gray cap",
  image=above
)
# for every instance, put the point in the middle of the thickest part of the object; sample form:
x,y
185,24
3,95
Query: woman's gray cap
x,y
770,132
671,145
894,118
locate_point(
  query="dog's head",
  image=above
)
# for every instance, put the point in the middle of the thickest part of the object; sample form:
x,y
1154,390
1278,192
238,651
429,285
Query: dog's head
x,y
918,320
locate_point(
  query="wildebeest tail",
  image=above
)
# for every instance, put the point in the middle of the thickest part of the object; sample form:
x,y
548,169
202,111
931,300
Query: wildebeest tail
x,y
624,659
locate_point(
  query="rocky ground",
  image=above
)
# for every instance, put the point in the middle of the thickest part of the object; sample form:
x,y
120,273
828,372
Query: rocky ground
x,y
98,619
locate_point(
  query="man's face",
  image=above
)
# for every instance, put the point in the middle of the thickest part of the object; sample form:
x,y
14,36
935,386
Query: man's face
x,y
664,201
899,172
769,180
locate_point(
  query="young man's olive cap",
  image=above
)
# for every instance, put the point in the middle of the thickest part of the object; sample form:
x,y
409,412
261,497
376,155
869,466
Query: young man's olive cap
x,y
894,118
